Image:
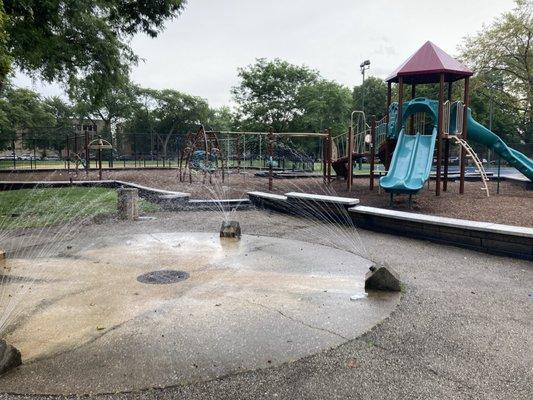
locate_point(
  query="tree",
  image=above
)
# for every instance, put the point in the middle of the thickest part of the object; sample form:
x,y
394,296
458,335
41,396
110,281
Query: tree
x,y
114,106
222,119
24,115
267,95
63,114
83,39
502,52
166,112
375,94
5,59
324,104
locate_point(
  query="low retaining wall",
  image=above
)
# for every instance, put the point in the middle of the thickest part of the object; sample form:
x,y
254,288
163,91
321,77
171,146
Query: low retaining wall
x,y
512,241
159,196
168,200
316,206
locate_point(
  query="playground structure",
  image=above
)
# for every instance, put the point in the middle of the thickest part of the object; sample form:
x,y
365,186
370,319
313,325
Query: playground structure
x,y
202,153
406,139
358,144
403,141
212,152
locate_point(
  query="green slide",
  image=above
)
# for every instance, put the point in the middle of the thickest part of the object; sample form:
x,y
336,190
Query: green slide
x,y
412,159
478,133
411,163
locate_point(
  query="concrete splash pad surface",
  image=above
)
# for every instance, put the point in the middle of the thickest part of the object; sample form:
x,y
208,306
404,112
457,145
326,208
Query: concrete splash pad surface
x,y
89,326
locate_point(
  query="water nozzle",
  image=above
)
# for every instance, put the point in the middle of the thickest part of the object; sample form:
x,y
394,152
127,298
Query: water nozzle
x,y
230,229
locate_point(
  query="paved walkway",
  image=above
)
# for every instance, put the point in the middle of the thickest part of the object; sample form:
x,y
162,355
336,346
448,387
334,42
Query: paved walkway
x,y
463,329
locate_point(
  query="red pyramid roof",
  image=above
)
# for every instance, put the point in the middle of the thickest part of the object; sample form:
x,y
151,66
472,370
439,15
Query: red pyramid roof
x,y
426,64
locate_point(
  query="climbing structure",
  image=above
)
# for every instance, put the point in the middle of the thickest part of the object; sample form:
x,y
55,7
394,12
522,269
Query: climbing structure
x,y
202,154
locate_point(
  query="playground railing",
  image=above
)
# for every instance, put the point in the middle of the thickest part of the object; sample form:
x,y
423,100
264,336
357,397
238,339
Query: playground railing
x,y
381,132
452,121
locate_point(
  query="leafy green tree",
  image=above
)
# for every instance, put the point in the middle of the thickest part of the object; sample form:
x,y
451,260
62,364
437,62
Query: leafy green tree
x,y
62,125
24,115
375,94
5,58
222,119
503,51
113,107
84,39
268,94
167,112
325,104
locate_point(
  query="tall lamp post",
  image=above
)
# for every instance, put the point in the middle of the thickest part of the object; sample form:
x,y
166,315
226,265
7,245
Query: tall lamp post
x,y
364,66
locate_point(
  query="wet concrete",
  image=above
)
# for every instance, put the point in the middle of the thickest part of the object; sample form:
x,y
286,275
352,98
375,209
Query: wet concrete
x,y
89,326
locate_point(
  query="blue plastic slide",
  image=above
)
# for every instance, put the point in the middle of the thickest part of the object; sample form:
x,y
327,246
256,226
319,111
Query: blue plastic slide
x,y
412,159
411,163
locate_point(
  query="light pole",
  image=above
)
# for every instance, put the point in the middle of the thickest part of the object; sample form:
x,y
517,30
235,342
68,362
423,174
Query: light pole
x,y
364,66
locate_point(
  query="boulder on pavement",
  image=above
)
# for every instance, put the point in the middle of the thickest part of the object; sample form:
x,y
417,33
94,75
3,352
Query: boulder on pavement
x,y
381,277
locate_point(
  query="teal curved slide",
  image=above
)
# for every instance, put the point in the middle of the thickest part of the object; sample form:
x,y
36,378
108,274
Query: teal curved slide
x,y
478,133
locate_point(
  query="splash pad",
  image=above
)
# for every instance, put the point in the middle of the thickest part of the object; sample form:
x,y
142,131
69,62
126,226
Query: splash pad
x,y
91,326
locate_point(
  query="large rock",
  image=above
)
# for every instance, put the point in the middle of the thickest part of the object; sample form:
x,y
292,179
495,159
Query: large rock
x,y
381,277
9,357
230,229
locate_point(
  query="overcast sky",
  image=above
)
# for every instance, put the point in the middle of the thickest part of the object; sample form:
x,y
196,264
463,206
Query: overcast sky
x,y
199,52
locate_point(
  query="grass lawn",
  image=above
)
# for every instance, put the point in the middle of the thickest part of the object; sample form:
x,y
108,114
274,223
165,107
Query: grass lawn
x,y
33,208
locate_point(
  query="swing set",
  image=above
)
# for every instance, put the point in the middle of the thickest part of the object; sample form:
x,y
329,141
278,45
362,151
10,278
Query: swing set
x,y
210,153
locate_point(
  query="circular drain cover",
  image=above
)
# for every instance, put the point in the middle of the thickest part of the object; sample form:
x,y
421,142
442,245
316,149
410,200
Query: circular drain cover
x,y
163,277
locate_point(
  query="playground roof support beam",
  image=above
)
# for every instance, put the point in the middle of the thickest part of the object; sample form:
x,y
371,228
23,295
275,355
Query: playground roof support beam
x,y
412,118
447,147
400,104
387,140
439,133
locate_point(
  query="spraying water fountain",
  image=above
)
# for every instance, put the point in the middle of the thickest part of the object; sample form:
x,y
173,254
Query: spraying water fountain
x,y
131,304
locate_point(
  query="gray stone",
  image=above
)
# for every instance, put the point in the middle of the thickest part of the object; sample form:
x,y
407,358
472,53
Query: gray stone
x,y
382,277
9,357
2,255
128,203
230,229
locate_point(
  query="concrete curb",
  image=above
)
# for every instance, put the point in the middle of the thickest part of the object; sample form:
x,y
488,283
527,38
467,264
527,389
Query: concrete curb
x,y
511,241
507,240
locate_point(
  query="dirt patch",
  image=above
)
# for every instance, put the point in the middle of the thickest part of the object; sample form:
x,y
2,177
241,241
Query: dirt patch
x,y
513,206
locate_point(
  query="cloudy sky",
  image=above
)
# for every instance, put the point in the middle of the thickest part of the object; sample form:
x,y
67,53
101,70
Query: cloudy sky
x,y
199,52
